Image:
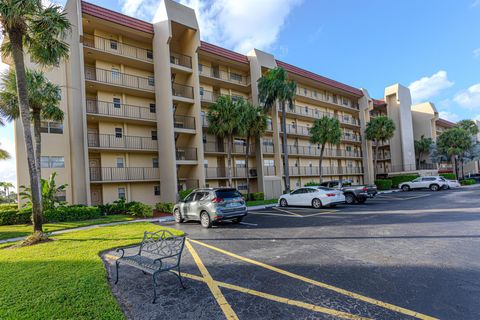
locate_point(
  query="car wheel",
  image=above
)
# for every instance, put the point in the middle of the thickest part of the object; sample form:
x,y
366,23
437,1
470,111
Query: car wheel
x,y
177,216
205,220
349,198
237,220
434,187
316,203
362,200
405,188
283,203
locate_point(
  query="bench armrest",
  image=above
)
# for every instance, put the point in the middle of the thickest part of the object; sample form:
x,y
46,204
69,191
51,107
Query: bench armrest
x,y
122,250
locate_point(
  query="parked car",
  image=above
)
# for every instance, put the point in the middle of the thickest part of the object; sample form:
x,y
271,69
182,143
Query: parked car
x,y
433,183
316,197
474,176
353,193
210,205
453,184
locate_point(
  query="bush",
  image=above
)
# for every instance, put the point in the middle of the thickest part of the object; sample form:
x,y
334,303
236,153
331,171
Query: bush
x,y
8,206
396,180
383,184
165,207
312,184
71,213
467,182
138,209
258,196
22,216
448,176
184,193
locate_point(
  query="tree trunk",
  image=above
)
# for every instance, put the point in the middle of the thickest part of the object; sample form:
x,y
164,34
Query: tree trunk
x,y
418,160
229,159
376,161
15,37
320,163
285,147
247,151
38,142
454,164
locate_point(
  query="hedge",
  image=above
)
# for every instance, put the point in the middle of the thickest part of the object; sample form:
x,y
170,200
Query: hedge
x,y
8,206
165,207
22,216
312,184
448,176
467,182
59,214
396,180
383,184
258,196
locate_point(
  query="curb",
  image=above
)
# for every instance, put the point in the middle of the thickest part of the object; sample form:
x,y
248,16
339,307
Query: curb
x,y
262,207
389,191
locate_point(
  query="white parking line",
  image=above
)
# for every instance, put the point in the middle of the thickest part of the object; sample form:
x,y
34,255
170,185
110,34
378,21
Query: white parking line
x,y
286,211
249,224
319,213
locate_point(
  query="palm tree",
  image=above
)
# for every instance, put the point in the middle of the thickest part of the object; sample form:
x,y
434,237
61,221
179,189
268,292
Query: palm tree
x,y
422,146
274,88
6,188
40,32
453,143
253,124
223,120
378,130
325,130
469,125
44,99
4,155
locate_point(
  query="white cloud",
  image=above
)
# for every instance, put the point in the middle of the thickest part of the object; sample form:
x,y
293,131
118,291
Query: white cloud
x,y
470,98
428,87
476,53
131,7
450,116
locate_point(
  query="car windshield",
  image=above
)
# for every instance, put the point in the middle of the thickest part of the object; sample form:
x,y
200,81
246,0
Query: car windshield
x,y
228,193
325,188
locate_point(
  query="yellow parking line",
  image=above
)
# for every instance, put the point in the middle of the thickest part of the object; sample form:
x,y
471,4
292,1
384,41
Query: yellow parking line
x,y
286,211
217,293
318,213
321,284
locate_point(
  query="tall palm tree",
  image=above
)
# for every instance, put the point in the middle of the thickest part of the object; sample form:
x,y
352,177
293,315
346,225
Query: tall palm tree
x,y
274,88
379,129
453,143
6,187
223,120
325,130
469,125
40,32
253,124
422,147
44,99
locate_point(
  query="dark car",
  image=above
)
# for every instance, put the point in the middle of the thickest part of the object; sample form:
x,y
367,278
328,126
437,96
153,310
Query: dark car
x,y
353,193
474,176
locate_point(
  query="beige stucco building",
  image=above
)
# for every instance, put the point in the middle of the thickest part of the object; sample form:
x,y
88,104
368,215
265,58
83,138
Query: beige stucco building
x,y
135,96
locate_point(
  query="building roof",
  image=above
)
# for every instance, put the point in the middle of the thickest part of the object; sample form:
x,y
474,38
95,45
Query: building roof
x,y
229,54
445,123
116,17
378,102
319,78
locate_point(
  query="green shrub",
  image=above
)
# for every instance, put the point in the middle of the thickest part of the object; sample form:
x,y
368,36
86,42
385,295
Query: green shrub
x,y
258,196
312,184
396,180
165,207
448,176
467,182
138,209
8,206
71,213
183,193
16,216
383,184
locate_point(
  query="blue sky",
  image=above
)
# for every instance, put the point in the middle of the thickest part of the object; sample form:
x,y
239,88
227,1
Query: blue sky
x,y
431,46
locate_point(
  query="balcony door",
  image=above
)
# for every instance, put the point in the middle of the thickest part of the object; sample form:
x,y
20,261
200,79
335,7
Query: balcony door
x,y
96,195
95,169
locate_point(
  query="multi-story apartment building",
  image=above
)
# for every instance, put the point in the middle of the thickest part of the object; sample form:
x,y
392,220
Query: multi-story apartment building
x,y
135,95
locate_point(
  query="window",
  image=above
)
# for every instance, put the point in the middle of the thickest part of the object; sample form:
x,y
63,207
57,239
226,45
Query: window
x,y
153,108
120,163
51,127
115,73
52,162
242,187
240,163
345,101
201,196
201,91
200,67
154,135
149,54
151,81
117,103
118,132
190,197
113,44
305,91
236,77
239,142
348,148
315,93
121,193
268,163
156,190
155,162
205,164
335,100
350,164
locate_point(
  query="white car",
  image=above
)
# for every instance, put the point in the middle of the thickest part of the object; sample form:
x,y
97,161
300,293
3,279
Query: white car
x,y
453,184
433,183
316,197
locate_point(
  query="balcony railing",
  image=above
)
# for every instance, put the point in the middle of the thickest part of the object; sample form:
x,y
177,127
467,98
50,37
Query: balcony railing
x,y
181,90
123,174
315,171
186,154
116,47
119,110
351,137
215,147
268,148
111,141
221,172
268,170
184,122
315,151
333,99
223,75
185,184
181,60
117,78
208,96
317,114
408,167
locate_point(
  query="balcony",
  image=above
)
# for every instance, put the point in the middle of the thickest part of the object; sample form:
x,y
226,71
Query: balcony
x,y
314,151
335,100
186,154
117,48
211,97
307,171
120,110
119,79
314,113
111,174
178,59
215,147
113,142
351,137
221,173
297,130
229,77
268,148
186,184
268,170
184,122
182,91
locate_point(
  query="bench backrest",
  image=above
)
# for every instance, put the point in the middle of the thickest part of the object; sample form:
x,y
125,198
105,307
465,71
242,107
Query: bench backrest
x,y
162,244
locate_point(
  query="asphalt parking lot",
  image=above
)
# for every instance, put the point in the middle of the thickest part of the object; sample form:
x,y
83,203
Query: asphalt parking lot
x,y
407,255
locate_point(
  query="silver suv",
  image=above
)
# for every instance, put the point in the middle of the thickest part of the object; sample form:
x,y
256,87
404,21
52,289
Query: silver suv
x,y
210,205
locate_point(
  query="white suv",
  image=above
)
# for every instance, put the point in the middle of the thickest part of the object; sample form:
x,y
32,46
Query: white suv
x,y
433,183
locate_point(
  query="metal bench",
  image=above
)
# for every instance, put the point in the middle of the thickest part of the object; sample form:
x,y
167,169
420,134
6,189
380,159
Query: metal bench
x,y
159,252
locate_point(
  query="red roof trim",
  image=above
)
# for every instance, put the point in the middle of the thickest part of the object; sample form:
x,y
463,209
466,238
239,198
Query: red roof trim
x,y
319,78
446,123
116,17
229,54
378,102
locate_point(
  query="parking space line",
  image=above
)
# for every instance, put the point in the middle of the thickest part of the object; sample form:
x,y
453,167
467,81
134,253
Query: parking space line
x,y
274,214
319,213
217,293
321,284
249,224
286,211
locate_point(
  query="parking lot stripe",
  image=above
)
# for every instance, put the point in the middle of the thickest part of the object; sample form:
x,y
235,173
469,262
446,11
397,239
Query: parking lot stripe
x,y
275,214
217,293
319,213
321,284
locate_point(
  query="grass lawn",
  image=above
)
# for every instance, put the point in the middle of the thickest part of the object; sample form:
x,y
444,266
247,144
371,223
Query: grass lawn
x,y
20,230
65,278
261,202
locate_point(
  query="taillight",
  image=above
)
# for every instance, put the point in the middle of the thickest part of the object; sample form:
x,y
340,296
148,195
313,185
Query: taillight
x,y
365,189
217,200
331,194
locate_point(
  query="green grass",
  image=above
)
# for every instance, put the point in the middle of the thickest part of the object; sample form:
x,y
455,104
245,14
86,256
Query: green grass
x,y
261,202
65,278
20,230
